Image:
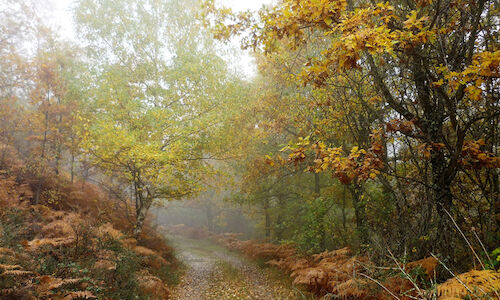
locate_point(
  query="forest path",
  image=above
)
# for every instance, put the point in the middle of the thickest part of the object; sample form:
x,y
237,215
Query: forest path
x,y
213,272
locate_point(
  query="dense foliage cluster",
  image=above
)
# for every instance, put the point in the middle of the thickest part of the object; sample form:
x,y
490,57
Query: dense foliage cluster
x,y
377,124
76,243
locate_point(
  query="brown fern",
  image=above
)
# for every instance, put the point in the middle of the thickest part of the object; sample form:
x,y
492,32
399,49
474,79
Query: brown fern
x,y
428,264
79,295
152,285
5,267
36,244
474,283
352,288
17,273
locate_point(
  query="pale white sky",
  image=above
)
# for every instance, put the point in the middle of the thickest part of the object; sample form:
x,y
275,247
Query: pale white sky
x,y
62,19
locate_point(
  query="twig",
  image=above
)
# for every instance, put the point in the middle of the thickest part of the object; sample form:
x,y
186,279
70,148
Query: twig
x,y
386,268
482,245
465,238
404,272
377,282
487,255
453,274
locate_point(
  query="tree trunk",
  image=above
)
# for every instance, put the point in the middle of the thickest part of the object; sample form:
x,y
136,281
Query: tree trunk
x,y
317,188
359,212
139,221
143,201
72,167
267,219
38,189
141,213
279,219
59,139
322,241
441,185
344,217
58,159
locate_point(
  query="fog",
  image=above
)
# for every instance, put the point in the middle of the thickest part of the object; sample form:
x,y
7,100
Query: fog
x,y
213,213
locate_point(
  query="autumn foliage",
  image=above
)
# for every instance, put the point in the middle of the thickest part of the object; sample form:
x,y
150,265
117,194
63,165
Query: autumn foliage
x,y
368,136
337,272
390,109
76,245
343,274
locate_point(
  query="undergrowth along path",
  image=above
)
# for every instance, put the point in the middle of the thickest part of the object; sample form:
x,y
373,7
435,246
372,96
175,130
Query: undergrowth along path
x,y
214,272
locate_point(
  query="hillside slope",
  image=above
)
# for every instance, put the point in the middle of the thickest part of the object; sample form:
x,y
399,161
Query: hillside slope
x,y
74,244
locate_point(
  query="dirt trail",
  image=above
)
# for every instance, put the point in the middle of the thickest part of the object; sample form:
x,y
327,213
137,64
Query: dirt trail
x,y
213,272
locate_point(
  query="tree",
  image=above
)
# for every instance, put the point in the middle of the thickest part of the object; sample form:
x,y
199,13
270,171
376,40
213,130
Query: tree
x,y
157,96
433,65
